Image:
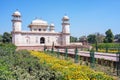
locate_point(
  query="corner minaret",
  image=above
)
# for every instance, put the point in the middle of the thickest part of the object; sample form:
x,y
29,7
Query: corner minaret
x,y
65,31
16,21
65,24
16,25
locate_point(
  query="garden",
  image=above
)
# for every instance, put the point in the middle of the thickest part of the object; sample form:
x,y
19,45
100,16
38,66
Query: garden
x,y
34,65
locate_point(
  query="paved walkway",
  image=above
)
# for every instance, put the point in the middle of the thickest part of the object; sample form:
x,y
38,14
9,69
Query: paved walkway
x,y
106,56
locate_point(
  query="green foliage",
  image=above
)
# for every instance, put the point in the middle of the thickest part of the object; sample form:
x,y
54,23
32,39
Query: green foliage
x,y
97,37
20,65
7,49
5,54
91,38
109,36
28,67
108,45
117,36
1,39
7,37
73,39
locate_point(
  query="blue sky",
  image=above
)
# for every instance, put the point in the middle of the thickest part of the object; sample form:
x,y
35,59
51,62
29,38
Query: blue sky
x,y
86,16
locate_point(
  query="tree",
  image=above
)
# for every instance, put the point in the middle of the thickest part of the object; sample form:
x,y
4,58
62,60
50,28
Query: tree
x,y
82,38
109,38
96,37
1,38
117,37
73,39
99,37
7,37
91,38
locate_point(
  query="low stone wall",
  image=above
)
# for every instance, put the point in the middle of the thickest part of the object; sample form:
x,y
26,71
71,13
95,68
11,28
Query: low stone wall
x,y
40,48
76,43
74,46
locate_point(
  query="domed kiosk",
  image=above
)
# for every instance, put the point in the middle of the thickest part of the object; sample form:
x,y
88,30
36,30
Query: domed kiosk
x,y
16,13
38,25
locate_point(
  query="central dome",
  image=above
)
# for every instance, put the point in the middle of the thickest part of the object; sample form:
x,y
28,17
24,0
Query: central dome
x,y
39,22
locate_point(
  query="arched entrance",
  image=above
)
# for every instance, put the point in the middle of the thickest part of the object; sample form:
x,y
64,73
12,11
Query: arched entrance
x,y
42,40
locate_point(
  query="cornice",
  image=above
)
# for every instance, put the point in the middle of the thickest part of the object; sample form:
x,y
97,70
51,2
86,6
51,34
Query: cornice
x,y
17,20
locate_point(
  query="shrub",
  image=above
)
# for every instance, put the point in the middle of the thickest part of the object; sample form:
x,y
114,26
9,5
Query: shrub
x,y
20,65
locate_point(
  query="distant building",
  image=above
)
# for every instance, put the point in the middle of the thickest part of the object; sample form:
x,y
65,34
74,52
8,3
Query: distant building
x,y
40,34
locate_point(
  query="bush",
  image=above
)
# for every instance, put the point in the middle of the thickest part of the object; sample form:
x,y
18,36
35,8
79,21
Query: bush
x,y
7,49
20,65
108,47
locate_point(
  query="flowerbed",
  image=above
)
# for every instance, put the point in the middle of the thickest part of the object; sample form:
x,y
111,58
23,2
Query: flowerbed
x,y
109,50
69,70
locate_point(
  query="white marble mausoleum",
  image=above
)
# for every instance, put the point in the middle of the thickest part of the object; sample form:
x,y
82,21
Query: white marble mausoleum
x,y
41,33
